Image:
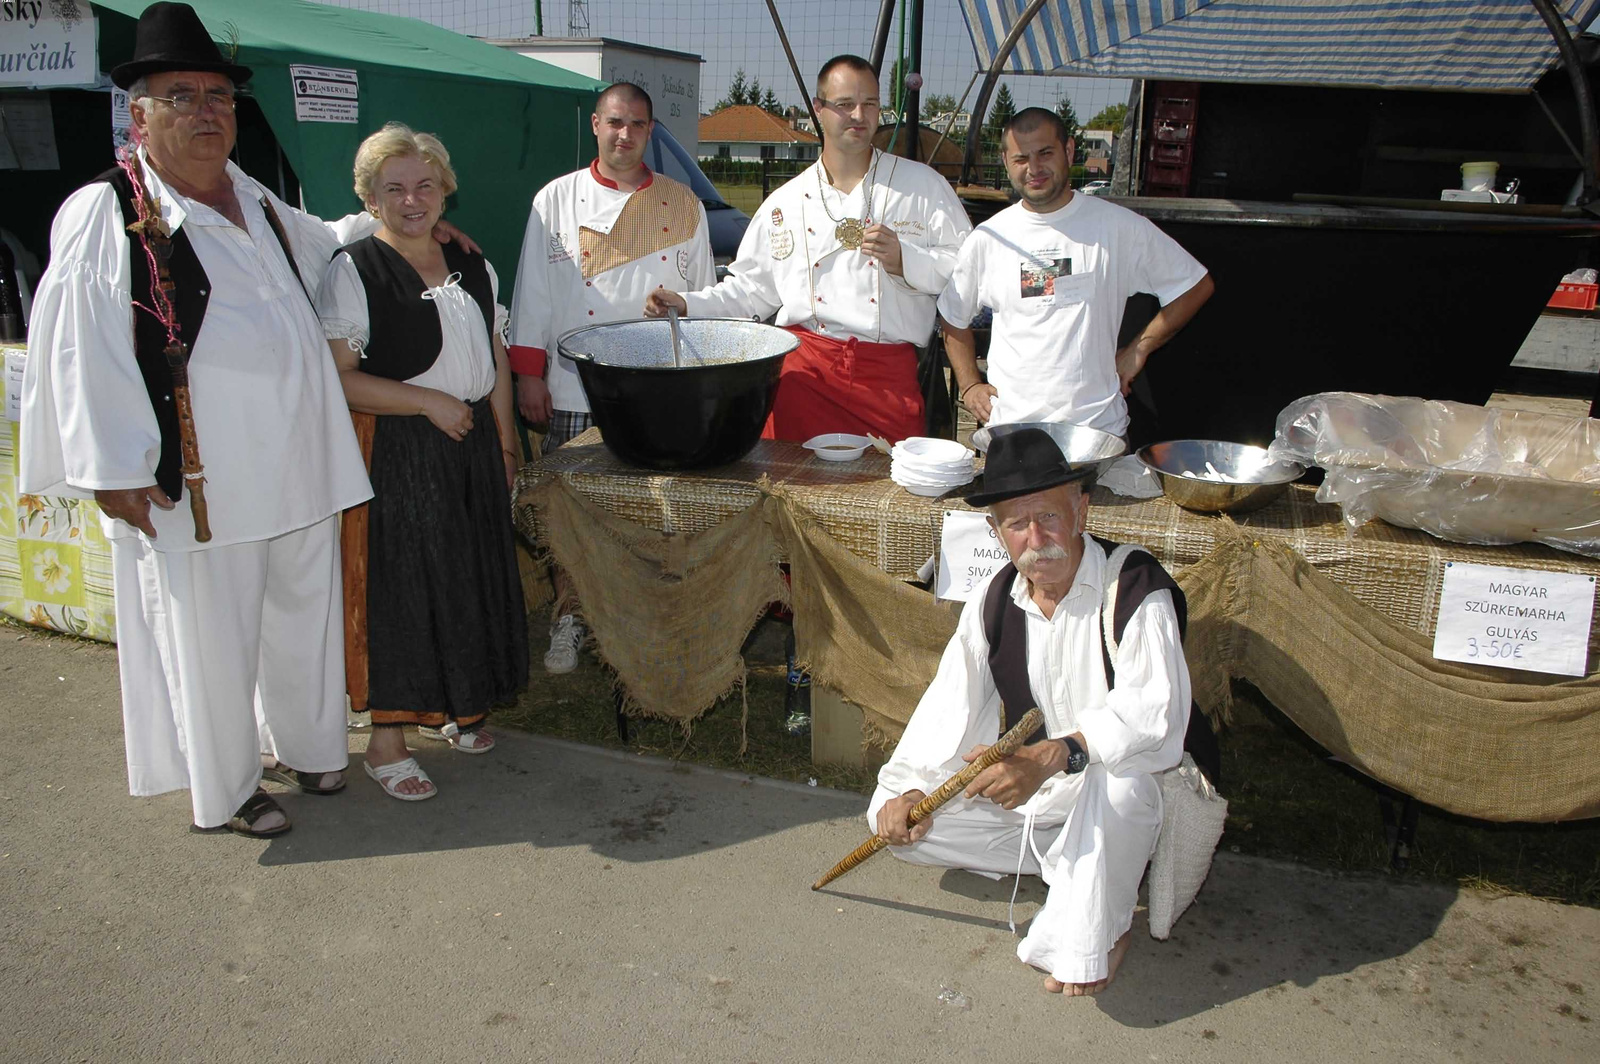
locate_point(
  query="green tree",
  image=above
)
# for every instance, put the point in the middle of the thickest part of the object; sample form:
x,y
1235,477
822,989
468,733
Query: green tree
x,y
1109,118
770,104
1068,116
737,89
999,114
895,86
937,104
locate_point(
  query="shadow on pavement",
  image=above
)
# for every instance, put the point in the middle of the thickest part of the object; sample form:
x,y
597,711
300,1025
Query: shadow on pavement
x,y
546,793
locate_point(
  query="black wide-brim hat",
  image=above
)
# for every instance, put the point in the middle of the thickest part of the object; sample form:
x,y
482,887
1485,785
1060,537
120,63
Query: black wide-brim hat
x,y
172,37
1021,463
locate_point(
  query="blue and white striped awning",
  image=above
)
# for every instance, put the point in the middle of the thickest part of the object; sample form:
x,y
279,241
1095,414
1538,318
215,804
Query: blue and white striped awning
x,y
1473,45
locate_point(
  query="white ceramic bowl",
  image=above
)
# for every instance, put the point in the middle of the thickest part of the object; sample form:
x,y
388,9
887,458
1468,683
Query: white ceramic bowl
x,y
838,446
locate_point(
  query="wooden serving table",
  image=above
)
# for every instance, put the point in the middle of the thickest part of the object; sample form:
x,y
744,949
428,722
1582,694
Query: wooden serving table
x,y
1334,625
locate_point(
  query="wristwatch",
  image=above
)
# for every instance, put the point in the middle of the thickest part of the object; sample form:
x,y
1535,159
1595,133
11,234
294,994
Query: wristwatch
x,y
1077,756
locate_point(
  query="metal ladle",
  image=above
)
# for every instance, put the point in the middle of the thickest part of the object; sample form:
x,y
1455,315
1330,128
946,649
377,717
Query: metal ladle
x,y
677,356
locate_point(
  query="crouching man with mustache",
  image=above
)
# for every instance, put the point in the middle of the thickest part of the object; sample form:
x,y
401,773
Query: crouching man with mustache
x,y
1079,804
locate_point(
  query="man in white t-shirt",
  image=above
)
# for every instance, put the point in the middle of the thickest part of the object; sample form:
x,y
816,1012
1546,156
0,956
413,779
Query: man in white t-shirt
x,y
1056,269
598,241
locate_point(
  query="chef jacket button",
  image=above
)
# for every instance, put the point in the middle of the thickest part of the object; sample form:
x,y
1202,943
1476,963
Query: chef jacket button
x,y
663,258
872,301
588,284
591,314
664,229
870,262
813,232
816,265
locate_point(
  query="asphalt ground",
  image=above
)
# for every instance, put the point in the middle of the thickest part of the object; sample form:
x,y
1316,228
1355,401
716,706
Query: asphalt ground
x,y
563,903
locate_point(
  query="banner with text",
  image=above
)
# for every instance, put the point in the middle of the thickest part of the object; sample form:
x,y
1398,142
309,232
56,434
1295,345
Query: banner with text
x,y
47,44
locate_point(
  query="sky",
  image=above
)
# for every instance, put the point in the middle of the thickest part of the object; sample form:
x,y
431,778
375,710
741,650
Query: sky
x,y
738,34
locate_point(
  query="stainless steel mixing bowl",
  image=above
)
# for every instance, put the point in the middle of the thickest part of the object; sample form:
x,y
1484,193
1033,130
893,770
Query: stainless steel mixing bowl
x,y
1180,465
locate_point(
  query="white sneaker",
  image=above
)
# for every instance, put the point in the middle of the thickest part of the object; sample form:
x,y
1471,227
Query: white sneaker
x,y
566,636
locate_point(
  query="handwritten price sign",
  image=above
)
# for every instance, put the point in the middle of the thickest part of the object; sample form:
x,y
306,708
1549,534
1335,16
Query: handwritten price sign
x,y
1515,618
968,552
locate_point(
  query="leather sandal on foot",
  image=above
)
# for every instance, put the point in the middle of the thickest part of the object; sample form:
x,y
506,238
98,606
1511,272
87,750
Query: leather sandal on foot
x,y
306,781
391,775
249,815
472,742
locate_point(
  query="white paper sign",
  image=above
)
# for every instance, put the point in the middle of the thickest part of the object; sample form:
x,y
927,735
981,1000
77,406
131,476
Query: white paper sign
x,y
27,132
1515,618
16,362
47,44
121,119
969,551
324,94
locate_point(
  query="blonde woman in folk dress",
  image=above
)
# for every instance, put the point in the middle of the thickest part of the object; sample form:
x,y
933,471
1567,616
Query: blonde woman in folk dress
x,y
415,330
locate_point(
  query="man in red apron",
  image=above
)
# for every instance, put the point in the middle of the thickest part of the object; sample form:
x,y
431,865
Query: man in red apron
x,y
850,256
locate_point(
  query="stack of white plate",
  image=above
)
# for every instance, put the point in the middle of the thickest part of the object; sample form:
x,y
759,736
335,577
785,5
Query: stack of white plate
x,y
927,466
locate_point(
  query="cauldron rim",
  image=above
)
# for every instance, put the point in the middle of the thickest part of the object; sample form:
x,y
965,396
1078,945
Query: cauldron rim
x,y
584,356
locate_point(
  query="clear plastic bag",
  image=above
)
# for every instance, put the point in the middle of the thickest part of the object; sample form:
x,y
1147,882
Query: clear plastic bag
x,y
1465,473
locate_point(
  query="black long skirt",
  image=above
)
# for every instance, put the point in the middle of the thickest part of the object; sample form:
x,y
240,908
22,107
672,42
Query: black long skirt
x,y
446,629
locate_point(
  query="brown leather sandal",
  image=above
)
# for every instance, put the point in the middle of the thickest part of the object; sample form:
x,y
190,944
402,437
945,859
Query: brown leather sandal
x,y
250,813
305,781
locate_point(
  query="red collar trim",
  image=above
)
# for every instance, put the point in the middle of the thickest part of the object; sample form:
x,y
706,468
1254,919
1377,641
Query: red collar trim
x,y
594,172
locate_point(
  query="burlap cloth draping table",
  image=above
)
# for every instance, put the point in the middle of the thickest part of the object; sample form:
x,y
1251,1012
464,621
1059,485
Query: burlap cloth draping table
x,y
1334,627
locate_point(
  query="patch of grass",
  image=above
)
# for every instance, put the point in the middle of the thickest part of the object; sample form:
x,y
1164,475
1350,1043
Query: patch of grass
x,y
745,197
580,706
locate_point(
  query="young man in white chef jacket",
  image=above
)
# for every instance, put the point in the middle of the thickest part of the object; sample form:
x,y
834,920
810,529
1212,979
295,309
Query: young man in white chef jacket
x,y
598,241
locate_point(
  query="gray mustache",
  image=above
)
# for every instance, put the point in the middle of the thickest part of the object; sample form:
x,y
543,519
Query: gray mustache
x,y
1050,552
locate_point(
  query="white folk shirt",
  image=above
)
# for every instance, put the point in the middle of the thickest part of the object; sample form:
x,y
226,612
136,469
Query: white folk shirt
x,y
465,368
558,292
1057,284
791,264
1133,729
271,420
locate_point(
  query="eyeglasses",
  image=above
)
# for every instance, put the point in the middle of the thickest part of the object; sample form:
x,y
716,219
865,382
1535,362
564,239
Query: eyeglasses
x,y
188,103
846,107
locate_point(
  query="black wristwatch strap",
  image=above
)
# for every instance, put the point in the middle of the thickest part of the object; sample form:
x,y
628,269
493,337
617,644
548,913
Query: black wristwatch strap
x,y
1077,756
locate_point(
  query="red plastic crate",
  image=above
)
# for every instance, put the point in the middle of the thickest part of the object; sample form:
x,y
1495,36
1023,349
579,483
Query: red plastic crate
x,y
1570,296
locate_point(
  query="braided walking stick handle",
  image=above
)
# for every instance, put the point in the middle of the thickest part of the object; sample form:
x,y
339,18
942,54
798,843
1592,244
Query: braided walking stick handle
x,y
1004,748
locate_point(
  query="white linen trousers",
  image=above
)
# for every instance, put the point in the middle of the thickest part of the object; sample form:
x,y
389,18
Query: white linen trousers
x,y
228,653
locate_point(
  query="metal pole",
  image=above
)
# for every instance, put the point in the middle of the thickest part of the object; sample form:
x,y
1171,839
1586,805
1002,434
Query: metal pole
x,y
913,98
1580,89
805,93
950,123
538,18
880,36
975,131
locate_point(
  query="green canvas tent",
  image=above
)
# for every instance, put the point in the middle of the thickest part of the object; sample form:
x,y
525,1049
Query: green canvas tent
x,y
510,123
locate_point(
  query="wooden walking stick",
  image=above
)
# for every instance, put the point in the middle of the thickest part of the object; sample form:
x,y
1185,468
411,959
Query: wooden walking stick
x,y
1004,748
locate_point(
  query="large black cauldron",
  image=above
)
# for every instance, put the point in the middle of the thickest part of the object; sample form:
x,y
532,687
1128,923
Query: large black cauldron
x,y
707,413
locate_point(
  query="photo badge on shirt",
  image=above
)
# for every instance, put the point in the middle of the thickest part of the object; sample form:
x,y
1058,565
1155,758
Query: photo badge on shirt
x,y
1046,279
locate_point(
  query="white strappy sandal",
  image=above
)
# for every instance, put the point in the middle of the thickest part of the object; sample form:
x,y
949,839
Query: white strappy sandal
x,y
472,742
389,776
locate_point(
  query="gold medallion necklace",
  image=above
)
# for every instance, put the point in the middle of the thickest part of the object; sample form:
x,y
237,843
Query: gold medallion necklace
x,y
850,232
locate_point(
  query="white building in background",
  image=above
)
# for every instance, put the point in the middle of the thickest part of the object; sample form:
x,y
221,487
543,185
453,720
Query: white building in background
x,y
671,78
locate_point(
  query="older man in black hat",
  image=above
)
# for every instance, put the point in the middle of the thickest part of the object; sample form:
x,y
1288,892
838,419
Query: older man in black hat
x,y
175,352
1091,633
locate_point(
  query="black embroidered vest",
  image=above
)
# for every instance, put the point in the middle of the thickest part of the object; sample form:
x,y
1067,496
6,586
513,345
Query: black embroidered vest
x,y
404,333
1005,627
191,292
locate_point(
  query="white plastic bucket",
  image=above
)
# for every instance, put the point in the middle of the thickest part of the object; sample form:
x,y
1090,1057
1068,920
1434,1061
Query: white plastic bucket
x,y
1478,177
